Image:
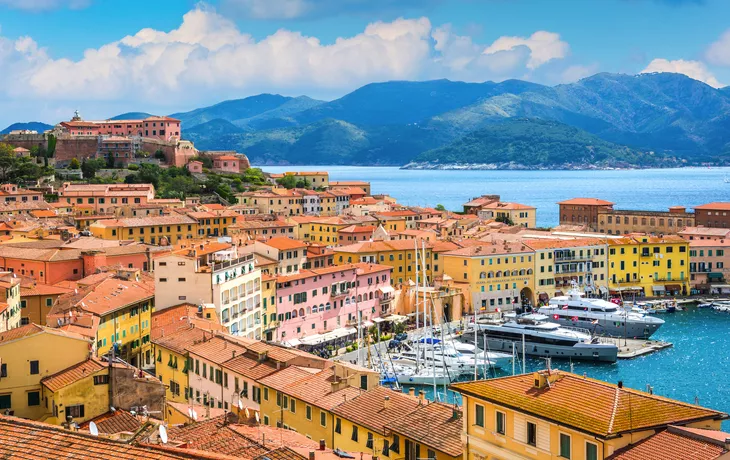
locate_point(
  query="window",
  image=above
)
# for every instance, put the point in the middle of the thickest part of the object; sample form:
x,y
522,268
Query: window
x,y
49,302
500,422
564,445
293,406
34,368
308,411
591,451
76,411
34,398
354,433
431,454
338,425
370,441
5,402
101,379
395,447
532,434
323,418
479,415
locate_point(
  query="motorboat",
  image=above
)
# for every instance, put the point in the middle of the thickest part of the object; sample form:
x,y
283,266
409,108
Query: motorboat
x,y
599,316
542,338
496,359
430,353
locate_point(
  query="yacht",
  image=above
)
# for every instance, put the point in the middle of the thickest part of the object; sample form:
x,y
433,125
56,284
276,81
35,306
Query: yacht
x,y
442,357
599,316
496,359
542,338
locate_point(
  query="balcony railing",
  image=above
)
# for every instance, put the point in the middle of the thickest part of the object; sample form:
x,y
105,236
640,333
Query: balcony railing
x,y
678,280
571,258
345,293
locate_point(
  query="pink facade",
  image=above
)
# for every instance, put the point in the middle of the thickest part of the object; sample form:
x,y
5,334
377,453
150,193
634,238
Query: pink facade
x,y
195,167
163,128
322,300
227,163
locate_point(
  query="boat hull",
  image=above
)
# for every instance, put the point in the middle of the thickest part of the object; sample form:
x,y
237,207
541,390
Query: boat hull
x,y
579,351
613,328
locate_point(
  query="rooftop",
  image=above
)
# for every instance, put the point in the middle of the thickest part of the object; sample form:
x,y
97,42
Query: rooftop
x,y
587,202
609,412
716,205
436,425
677,442
371,410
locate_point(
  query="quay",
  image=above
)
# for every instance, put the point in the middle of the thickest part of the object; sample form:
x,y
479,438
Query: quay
x,y
633,348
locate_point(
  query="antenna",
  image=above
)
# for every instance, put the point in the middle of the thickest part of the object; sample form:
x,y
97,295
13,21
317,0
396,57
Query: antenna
x,y
93,429
163,434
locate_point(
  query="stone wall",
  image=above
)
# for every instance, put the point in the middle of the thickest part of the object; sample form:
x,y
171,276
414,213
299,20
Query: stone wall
x,y
131,391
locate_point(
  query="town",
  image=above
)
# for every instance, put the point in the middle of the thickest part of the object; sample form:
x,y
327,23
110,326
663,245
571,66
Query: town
x,y
161,301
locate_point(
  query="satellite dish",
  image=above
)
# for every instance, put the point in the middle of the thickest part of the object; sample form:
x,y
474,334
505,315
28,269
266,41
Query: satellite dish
x,y
111,408
240,405
248,414
163,434
256,414
190,412
93,429
195,415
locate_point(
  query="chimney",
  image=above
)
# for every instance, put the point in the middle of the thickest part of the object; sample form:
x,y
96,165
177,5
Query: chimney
x,y
311,455
422,395
620,383
386,403
412,391
322,444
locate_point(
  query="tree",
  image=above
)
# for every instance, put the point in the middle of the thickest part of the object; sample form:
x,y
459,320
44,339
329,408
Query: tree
x,y
51,150
505,219
160,155
207,161
74,164
288,181
90,166
7,160
440,207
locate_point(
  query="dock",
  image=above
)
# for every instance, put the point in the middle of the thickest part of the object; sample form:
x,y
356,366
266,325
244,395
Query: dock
x,y
633,348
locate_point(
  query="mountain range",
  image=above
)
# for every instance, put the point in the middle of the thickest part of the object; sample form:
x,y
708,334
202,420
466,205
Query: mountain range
x,y
605,120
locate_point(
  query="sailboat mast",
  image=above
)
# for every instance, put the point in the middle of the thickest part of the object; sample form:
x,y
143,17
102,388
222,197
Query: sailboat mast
x,y
415,250
433,353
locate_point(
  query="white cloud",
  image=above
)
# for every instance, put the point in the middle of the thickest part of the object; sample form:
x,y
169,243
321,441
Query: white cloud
x,y
207,58
289,9
544,46
44,5
718,53
693,69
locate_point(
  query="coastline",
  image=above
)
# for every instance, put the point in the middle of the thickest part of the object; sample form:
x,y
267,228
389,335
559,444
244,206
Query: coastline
x,y
522,167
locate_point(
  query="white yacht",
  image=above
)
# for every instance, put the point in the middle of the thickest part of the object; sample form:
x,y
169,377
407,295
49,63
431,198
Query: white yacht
x,y
599,316
542,339
442,357
496,359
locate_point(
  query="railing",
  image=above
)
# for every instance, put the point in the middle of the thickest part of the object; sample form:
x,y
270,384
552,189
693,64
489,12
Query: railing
x,y
679,280
572,270
232,262
648,254
571,258
345,293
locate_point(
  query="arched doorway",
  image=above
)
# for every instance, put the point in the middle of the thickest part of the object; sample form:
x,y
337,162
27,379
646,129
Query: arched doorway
x,y
526,297
447,313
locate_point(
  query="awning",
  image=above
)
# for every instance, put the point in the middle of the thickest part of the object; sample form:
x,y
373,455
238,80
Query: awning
x,y
386,289
543,296
292,343
657,288
673,287
627,288
720,286
715,276
367,323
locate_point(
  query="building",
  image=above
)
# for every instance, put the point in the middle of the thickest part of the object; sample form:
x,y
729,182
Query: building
x,y
367,205
432,430
117,150
397,254
583,211
101,196
536,416
475,204
645,265
559,264
11,193
11,314
254,229
348,184
704,233
36,301
162,230
325,230
318,301
195,167
715,215
29,354
163,128
709,266
494,276
314,179
355,233
213,274
227,164
277,201
290,254
115,308
515,213
215,222
621,222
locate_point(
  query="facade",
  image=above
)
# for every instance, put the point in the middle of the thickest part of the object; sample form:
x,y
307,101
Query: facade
x,y
117,150
11,193
36,301
475,204
324,300
195,167
278,201
325,230
644,265
226,164
709,266
397,254
495,276
535,416
163,128
162,230
255,229
103,196
583,211
347,184
715,215
519,214
29,354
621,222
10,305
291,255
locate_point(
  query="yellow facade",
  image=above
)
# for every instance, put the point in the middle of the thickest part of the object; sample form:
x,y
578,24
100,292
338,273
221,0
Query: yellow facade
x,y
91,392
268,306
151,234
394,224
316,179
27,360
130,326
325,232
494,279
214,224
171,368
277,409
402,260
652,266
367,440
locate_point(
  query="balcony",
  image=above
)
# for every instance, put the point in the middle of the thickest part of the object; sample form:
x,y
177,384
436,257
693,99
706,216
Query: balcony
x,y
648,254
337,295
678,280
577,258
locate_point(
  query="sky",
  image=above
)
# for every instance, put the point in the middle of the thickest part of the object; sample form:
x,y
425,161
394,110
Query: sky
x,y
105,57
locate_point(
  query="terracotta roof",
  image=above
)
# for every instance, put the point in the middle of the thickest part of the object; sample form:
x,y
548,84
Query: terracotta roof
x,y
42,289
609,411
183,317
489,249
436,425
281,453
250,367
560,243
369,408
216,349
380,246
24,439
73,374
33,329
676,442
146,221
358,229
109,295
282,243
721,232
180,340
227,157
587,202
119,421
716,205
215,436
360,268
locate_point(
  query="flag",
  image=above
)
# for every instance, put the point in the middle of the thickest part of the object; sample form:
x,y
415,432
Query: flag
x,y
565,307
575,318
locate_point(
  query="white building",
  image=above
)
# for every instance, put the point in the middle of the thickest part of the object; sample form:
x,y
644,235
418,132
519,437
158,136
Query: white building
x,y
214,274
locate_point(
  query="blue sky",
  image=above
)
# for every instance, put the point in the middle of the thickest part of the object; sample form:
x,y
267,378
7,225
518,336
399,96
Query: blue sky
x,y
104,57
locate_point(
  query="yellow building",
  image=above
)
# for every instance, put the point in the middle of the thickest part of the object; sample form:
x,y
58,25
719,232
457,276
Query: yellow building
x,y
519,214
325,230
171,361
80,392
153,230
27,355
11,315
493,275
433,431
316,179
268,305
298,400
277,201
560,263
122,309
549,415
399,254
214,223
396,221
36,301
645,265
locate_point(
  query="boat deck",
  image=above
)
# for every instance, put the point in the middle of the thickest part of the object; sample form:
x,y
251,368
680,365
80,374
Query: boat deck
x,y
633,348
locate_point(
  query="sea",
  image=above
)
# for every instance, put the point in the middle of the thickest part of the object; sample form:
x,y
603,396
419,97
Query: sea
x,y
697,368
646,189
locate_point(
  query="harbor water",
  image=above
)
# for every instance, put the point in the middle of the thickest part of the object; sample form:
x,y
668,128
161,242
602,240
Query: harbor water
x,y
696,369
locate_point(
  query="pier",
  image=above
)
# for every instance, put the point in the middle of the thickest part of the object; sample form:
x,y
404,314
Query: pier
x,y
633,348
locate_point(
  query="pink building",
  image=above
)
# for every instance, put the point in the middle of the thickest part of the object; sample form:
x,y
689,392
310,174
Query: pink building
x,y
163,128
328,299
227,163
195,167
709,266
